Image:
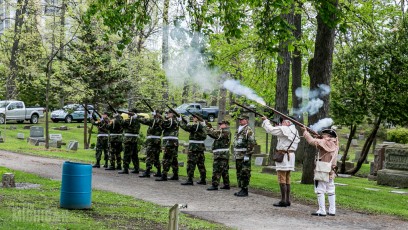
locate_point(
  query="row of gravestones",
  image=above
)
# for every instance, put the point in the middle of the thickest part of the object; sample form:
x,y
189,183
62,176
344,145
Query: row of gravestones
x,y
55,140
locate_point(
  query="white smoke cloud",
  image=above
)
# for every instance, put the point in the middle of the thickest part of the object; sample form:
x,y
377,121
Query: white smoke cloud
x,y
235,87
321,124
189,64
314,103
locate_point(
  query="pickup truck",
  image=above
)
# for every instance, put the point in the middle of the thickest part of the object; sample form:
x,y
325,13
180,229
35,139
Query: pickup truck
x,y
208,113
16,110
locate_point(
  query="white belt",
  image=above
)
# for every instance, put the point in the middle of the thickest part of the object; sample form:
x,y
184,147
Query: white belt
x,y
115,134
240,150
170,138
196,142
153,137
220,150
131,135
103,135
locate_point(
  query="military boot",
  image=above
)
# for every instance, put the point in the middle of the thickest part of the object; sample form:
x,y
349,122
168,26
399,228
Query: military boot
x,y
135,171
189,181
124,171
145,174
242,193
105,165
212,188
202,182
111,167
226,187
96,165
162,178
174,177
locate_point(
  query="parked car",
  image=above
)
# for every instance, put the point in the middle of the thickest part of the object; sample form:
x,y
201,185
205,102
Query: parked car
x,y
208,113
16,110
70,113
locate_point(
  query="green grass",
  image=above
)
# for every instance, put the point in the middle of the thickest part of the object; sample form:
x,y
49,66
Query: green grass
x,y
353,196
38,208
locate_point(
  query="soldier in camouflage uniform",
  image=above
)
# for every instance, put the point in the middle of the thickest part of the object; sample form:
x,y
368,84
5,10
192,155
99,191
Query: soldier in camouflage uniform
x,y
131,127
220,149
102,141
196,149
116,132
153,141
243,146
170,143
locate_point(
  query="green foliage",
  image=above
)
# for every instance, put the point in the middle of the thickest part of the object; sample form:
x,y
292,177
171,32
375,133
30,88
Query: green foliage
x,y
399,135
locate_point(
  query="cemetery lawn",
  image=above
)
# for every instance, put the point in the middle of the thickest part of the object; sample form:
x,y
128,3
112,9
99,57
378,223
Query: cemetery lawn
x,y
38,208
355,195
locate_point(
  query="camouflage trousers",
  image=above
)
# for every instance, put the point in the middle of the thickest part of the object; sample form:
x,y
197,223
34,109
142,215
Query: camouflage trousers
x,y
153,157
170,160
196,158
130,154
102,145
243,172
220,169
115,150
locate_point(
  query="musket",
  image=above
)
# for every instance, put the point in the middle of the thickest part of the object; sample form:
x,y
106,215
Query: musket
x,y
147,104
94,111
112,108
200,119
177,114
293,121
253,111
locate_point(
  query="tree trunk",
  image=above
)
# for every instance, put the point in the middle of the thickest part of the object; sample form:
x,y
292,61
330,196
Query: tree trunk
x,y
86,143
320,67
165,44
11,91
297,65
61,53
222,102
353,129
366,147
282,82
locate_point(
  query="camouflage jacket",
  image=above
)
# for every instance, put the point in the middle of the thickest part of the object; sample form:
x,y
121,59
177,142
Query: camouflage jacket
x,y
102,126
197,135
244,142
131,127
115,127
222,140
170,132
154,131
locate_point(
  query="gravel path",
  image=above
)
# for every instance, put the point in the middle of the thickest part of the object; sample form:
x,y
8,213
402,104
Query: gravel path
x,y
253,212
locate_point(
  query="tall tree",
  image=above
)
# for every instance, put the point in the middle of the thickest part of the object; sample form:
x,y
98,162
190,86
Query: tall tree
x,y
320,67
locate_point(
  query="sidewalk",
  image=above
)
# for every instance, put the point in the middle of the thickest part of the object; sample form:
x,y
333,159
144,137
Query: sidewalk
x,y
253,212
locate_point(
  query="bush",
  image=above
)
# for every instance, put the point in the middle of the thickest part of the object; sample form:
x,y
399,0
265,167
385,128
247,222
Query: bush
x,y
399,135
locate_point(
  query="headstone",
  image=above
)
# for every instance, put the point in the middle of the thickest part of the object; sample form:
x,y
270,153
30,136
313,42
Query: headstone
x,y
8,180
269,169
41,143
57,137
260,161
357,155
378,163
354,142
373,189
12,127
20,136
63,128
72,145
349,165
395,171
26,127
37,132
361,137
54,143
399,192
208,142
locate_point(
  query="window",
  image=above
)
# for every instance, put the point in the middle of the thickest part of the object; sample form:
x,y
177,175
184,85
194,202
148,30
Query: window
x,y
19,105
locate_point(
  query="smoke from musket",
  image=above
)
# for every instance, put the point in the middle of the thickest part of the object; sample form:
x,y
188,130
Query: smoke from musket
x,y
321,124
314,103
235,87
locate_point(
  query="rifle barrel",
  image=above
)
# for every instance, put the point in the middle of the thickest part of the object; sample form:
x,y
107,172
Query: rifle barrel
x,y
293,120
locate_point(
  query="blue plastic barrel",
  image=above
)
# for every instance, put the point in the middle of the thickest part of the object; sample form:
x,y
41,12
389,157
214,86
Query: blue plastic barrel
x,y
76,186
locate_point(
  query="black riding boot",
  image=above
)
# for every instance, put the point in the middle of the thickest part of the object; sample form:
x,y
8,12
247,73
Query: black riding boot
x,y
282,202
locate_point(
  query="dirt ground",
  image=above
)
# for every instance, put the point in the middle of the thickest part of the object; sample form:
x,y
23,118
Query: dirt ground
x,y
253,212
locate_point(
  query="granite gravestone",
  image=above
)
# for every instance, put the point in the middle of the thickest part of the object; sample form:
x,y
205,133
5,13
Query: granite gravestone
x,y
72,145
36,135
395,172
